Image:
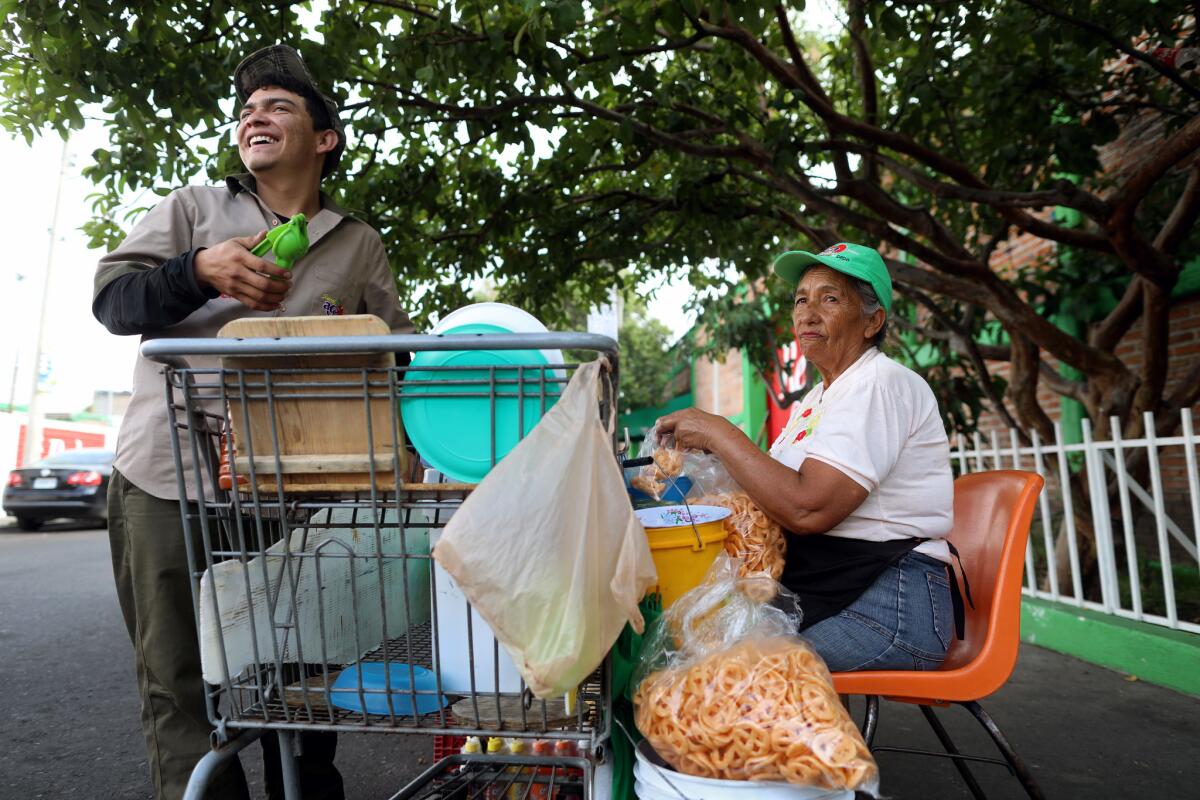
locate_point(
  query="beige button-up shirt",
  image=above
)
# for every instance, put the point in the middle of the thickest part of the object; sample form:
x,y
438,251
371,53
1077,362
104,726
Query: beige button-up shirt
x,y
345,271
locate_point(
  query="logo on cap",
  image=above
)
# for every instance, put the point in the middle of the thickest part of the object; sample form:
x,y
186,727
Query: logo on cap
x,y
837,248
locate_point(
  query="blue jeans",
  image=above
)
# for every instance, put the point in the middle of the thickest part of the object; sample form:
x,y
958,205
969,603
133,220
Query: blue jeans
x,y
904,620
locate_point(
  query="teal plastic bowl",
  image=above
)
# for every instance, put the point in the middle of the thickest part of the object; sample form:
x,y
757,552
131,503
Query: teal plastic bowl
x,y
455,431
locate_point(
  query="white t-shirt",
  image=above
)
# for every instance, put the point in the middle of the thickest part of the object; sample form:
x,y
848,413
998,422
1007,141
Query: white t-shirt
x,y
878,424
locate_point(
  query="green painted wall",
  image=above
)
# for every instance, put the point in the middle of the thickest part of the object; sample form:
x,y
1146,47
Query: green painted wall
x,y
1154,654
640,419
754,403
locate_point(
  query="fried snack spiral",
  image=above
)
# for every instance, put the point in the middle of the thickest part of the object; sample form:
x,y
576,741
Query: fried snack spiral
x,y
761,710
648,485
668,460
750,535
653,478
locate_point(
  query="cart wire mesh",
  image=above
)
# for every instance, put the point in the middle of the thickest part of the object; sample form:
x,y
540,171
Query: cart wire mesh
x,y
318,604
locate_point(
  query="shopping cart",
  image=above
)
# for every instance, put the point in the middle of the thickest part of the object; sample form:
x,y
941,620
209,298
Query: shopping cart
x,y
318,604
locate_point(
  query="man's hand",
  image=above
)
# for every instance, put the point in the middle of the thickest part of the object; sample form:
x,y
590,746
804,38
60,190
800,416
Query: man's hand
x,y
233,270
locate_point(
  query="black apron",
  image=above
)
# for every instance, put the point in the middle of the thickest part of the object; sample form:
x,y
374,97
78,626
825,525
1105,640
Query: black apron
x,y
828,573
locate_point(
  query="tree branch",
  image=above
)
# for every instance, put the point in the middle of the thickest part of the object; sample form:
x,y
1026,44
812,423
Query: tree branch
x,y
1156,327
866,80
666,47
1179,145
1022,387
1118,322
1060,385
1091,27
965,344
1187,392
1183,215
802,74
839,123
1065,193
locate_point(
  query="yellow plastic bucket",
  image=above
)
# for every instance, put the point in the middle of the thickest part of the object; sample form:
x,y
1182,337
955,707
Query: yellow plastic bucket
x,y
683,547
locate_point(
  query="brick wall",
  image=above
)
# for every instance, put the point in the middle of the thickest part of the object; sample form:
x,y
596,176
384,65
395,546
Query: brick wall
x,y
727,376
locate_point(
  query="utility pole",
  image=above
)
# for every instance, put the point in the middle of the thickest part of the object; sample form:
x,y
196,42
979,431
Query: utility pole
x,y
33,429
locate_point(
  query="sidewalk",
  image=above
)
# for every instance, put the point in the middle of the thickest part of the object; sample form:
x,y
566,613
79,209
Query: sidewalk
x,y
73,730
1084,731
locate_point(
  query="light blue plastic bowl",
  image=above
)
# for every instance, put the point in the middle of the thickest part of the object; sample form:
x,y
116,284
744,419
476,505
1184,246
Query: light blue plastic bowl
x,y
344,692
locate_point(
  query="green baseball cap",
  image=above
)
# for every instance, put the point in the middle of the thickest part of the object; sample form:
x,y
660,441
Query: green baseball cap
x,y
847,258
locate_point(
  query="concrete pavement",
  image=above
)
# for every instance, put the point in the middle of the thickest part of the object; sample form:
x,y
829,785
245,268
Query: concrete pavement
x,y
70,711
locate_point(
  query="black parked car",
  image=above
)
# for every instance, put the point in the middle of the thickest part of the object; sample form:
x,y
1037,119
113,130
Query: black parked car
x,y
71,484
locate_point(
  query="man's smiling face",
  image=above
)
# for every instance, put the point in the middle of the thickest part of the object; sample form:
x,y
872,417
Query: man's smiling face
x,y
275,131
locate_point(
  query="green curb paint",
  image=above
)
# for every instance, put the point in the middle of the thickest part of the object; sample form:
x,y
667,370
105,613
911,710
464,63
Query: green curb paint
x,y
1154,654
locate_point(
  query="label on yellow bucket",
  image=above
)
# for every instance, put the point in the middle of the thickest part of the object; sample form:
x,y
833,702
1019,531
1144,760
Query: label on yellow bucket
x,y
674,516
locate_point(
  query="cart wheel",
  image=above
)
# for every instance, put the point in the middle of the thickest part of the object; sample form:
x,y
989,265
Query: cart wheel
x,y
29,523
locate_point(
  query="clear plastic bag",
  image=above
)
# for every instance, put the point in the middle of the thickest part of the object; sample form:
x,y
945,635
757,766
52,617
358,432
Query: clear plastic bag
x,y
547,548
727,690
654,479
750,534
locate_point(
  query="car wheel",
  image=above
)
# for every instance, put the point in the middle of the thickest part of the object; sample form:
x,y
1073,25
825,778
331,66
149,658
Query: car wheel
x,y
29,523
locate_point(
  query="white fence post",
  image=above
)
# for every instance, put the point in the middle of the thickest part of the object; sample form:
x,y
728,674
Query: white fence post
x,y
1030,566
1110,588
1189,449
1064,480
1131,559
1160,521
1047,524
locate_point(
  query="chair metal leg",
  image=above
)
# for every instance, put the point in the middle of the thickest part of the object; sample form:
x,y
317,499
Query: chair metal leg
x,y
1010,755
871,720
948,743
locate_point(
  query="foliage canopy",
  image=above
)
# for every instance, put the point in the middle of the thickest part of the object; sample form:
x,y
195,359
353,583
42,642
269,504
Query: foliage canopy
x,y
563,144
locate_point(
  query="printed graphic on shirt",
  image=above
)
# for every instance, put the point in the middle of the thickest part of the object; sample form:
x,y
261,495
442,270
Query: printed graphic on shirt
x,y
801,427
331,306
808,424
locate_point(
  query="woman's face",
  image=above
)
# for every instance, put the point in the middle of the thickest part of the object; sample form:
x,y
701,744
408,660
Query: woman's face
x,y
827,314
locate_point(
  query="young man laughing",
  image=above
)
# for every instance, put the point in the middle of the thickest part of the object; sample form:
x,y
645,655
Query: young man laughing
x,y
185,270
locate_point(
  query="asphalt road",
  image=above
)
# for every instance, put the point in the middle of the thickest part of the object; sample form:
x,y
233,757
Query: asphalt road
x,y
69,714
69,710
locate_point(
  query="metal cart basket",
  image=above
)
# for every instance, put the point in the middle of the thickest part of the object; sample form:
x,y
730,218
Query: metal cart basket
x,y
318,604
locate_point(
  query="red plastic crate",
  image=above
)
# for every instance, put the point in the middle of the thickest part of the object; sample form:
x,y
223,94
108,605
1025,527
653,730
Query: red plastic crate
x,y
447,746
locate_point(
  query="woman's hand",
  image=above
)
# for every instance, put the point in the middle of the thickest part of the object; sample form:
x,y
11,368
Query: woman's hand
x,y
695,429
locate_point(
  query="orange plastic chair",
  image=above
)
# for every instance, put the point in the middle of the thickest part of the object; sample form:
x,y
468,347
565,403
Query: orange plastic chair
x,y
992,515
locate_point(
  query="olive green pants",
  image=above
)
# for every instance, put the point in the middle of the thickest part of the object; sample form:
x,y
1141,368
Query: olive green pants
x,y
154,589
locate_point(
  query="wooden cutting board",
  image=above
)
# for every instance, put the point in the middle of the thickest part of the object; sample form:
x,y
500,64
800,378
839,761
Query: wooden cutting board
x,y
319,408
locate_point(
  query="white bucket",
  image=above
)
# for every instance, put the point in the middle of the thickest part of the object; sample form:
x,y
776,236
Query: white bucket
x,y
653,780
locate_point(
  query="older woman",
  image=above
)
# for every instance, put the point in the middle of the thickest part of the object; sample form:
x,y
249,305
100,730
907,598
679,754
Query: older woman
x,y
860,477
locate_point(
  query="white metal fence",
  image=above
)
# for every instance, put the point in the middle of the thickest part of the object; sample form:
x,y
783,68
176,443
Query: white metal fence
x,y
1147,537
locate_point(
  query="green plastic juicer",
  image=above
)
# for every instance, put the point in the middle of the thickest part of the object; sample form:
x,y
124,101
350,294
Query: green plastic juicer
x,y
289,241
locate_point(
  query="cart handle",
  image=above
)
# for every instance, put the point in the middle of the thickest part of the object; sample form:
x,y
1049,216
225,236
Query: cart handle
x,y
164,350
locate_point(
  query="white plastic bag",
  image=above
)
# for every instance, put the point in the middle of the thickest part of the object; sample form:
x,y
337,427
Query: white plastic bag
x,y
547,548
